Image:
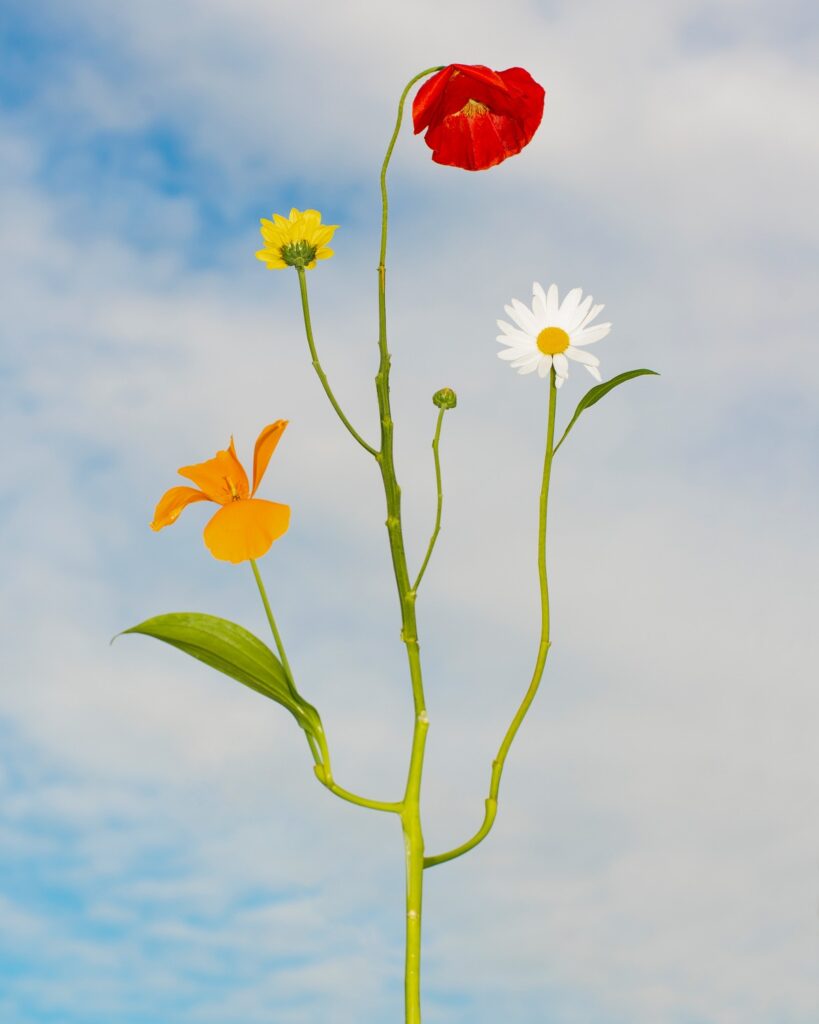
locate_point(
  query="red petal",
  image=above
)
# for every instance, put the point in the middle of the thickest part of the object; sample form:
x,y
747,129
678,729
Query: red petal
x,y
448,91
472,143
515,109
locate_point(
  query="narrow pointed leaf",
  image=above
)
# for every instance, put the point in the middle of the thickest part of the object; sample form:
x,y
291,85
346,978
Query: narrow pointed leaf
x,y
237,653
593,395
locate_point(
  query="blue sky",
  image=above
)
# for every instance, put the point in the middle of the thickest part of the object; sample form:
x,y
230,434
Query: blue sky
x,y
165,854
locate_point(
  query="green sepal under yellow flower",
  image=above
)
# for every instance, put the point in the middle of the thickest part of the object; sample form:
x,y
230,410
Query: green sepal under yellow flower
x,y
297,241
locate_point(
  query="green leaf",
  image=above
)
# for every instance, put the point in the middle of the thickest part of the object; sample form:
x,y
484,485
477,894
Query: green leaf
x,y
593,395
231,649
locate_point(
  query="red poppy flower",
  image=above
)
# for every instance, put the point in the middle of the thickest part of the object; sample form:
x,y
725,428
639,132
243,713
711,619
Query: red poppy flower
x,y
475,117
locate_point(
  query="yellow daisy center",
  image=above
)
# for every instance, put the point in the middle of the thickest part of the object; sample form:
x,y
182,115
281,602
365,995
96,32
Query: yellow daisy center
x,y
472,108
552,340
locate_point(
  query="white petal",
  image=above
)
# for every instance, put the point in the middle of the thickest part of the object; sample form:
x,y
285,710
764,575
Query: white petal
x,y
513,316
579,315
590,334
538,301
525,317
580,356
594,372
561,365
524,360
514,353
593,312
552,301
571,302
544,366
513,337
528,369
505,327
559,380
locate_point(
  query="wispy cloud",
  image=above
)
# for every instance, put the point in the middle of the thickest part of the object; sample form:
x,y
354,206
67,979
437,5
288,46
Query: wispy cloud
x,y
166,853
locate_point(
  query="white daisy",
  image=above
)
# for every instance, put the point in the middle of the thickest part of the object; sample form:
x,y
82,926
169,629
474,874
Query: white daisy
x,y
549,332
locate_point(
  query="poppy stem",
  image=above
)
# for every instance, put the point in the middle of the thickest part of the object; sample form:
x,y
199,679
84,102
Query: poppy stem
x,y
411,804
437,528
322,376
542,651
388,156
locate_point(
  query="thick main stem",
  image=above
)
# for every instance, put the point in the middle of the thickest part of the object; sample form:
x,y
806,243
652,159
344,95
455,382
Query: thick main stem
x,y
411,813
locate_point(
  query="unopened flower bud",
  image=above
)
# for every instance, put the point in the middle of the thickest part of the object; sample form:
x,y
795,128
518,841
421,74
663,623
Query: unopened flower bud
x,y
445,398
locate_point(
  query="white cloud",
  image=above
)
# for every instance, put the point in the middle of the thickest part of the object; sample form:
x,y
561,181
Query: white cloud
x,y
653,857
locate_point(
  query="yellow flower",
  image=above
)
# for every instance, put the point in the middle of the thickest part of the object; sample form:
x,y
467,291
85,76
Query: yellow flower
x,y
295,242
245,526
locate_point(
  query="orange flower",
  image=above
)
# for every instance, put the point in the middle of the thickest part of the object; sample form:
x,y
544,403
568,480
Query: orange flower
x,y
244,527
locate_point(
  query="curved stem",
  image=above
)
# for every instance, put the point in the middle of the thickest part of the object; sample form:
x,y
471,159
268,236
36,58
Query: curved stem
x,y
322,766
324,774
361,801
437,528
288,672
542,653
322,376
388,156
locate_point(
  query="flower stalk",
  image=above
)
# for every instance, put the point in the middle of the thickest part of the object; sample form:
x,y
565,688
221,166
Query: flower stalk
x,y
436,440
411,813
542,652
322,376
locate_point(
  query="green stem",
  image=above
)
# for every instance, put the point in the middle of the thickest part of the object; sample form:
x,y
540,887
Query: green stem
x,y
390,148
409,807
288,673
274,629
321,756
324,774
322,376
491,807
437,528
411,812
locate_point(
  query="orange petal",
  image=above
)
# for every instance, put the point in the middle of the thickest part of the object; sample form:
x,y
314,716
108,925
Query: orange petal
x,y
222,478
246,529
265,446
171,504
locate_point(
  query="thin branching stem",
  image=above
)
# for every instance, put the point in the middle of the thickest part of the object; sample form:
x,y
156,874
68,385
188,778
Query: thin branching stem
x,y
437,528
491,806
322,376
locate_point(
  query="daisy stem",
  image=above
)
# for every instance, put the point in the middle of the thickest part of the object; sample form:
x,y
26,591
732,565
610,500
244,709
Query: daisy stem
x,y
542,652
437,528
411,804
322,376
